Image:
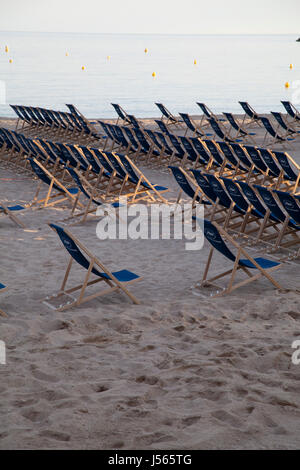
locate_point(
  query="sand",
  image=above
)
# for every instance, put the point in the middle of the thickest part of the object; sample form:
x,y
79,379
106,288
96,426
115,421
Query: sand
x,y
179,371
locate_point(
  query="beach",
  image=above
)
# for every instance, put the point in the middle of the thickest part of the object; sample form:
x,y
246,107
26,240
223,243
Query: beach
x,y
179,371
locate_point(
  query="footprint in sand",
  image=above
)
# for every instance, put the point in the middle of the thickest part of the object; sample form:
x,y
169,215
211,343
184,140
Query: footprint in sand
x,y
56,435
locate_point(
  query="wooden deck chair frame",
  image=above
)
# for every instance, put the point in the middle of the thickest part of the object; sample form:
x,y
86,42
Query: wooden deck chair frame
x,y
95,193
151,191
252,120
262,272
113,282
11,215
169,120
44,202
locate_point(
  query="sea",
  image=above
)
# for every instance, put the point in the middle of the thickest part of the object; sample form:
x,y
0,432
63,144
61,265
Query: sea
x,y
136,70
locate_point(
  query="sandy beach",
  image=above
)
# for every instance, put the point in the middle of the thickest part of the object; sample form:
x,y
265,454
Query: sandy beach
x,y
178,371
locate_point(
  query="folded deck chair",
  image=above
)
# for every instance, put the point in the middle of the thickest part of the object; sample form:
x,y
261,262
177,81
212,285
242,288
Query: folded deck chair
x,y
261,266
10,211
270,131
3,288
250,113
114,280
54,184
167,117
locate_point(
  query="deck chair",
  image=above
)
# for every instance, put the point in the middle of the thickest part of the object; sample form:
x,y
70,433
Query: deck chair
x,y
192,126
290,168
207,114
118,280
167,117
91,192
88,129
54,185
122,115
261,266
292,111
3,288
270,131
141,182
250,113
10,212
134,121
185,186
220,133
291,205
289,225
289,130
241,131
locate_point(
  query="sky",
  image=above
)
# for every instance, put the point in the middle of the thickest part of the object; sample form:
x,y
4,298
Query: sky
x,y
152,16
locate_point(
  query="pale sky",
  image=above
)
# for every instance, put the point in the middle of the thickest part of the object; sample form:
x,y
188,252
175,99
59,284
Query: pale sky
x,y
152,16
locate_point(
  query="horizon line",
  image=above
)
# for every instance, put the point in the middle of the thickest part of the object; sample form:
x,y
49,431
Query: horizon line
x,y
154,34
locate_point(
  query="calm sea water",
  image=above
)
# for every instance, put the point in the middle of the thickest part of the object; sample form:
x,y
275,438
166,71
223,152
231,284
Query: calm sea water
x,y
228,69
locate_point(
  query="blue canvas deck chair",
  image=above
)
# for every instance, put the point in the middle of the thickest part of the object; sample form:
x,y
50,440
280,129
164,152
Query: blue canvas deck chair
x,y
184,182
287,127
271,132
141,184
115,281
262,267
192,126
254,117
240,130
88,129
61,191
122,115
134,122
289,226
290,169
292,111
221,133
3,288
10,212
167,117
92,193
207,114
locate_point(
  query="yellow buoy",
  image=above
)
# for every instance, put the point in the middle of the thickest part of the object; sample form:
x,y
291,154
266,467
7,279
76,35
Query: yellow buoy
x,y
287,85
6,48
10,61
146,50
83,67
195,62
291,66
153,74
